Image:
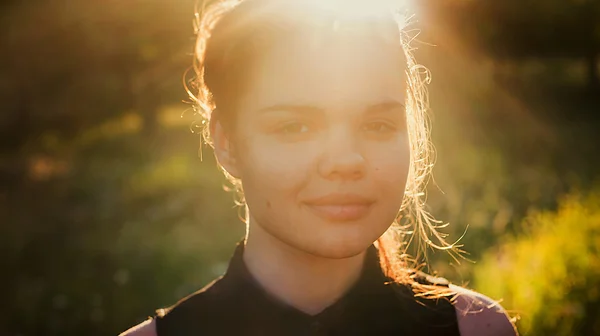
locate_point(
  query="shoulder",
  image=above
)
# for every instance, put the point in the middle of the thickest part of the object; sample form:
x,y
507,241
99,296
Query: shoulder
x,y
478,314
146,328
203,302
197,311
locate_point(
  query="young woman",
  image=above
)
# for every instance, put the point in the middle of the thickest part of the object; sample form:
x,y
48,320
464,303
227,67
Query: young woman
x,y
316,112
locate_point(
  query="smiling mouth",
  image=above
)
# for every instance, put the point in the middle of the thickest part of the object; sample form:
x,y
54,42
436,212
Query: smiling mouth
x,y
340,212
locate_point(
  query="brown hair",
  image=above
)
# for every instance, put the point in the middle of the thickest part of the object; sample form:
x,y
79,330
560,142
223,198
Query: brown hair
x,y
229,34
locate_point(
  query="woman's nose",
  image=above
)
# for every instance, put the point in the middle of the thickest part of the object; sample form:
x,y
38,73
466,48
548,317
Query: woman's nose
x,y
341,157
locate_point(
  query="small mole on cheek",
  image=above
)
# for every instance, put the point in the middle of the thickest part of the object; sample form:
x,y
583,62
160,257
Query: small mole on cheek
x,y
269,204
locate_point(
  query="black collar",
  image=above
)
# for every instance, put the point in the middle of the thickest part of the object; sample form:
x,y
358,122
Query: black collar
x,y
236,304
371,284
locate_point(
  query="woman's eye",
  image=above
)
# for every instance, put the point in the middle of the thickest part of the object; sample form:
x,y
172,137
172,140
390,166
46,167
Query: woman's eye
x,y
294,128
380,127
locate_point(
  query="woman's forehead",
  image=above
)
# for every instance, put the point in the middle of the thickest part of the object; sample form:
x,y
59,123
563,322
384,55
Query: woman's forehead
x,y
327,71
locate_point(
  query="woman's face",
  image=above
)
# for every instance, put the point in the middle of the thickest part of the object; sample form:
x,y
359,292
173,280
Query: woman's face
x,y
321,146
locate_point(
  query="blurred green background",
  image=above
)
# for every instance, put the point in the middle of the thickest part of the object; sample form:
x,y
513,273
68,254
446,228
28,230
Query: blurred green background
x,y
107,211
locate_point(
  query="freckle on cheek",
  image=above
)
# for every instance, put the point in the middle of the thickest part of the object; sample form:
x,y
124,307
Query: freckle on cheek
x,y
268,204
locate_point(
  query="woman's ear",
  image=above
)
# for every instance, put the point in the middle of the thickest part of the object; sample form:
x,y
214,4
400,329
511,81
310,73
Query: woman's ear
x,y
224,148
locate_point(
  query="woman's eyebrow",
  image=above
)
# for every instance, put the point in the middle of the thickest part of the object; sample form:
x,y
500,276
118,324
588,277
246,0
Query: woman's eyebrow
x,y
291,108
388,105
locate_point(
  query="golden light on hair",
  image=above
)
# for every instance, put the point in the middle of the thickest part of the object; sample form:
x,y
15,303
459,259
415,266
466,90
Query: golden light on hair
x,y
353,9
414,225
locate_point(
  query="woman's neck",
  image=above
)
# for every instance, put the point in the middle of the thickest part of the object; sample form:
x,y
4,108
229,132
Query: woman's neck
x,y
307,282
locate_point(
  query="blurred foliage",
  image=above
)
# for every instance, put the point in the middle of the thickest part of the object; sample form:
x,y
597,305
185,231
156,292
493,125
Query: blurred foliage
x,y
106,212
551,272
129,226
524,29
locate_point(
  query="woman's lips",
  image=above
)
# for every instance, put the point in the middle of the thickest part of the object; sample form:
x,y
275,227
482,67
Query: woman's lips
x,y
340,212
340,207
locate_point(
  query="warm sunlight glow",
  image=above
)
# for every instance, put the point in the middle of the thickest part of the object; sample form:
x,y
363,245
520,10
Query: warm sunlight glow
x,y
354,9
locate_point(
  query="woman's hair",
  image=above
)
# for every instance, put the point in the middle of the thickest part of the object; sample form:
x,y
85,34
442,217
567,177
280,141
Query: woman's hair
x,y
232,34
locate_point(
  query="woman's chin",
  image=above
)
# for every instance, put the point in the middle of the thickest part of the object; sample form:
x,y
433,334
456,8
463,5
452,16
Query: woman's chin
x,y
337,247
344,242
325,239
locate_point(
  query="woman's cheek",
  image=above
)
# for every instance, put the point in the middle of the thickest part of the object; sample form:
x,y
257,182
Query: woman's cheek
x,y
282,166
390,169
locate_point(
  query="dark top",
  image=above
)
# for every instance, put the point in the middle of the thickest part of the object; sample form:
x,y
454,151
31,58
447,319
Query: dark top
x,y
235,304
